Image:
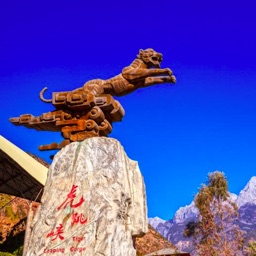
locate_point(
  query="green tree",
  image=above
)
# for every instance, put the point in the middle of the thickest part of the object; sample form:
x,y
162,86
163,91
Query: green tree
x,y
215,233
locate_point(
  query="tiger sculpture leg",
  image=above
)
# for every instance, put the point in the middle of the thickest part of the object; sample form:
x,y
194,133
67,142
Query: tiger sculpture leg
x,y
159,80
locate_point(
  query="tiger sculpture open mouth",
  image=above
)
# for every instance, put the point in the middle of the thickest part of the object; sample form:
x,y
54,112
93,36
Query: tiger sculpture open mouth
x,y
90,110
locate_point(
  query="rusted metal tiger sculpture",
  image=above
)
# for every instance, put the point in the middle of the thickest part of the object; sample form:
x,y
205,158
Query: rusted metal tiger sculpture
x,y
90,110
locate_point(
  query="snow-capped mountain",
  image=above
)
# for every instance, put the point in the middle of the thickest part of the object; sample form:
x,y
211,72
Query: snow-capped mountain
x,y
173,229
185,214
248,194
155,221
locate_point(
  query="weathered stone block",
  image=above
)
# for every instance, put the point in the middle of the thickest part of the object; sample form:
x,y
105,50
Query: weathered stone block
x,y
93,204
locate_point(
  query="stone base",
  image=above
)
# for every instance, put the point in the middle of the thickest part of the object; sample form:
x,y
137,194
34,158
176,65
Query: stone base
x,y
93,203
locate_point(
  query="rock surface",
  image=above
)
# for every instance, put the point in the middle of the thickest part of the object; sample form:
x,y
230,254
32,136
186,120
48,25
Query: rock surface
x,y
93,203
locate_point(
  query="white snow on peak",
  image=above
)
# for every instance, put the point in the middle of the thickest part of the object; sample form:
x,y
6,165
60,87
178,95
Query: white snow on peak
x,y
233,197
248,194
187,212
155,221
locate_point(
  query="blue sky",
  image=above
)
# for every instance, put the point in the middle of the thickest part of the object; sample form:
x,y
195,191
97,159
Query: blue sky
x,y
205,122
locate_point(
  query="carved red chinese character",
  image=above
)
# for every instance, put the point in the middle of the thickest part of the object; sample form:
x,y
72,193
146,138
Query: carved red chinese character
x,y
57,234
70,198
78,218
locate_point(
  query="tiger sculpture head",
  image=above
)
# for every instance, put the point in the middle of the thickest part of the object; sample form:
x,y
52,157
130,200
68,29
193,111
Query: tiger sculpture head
x,y
150,57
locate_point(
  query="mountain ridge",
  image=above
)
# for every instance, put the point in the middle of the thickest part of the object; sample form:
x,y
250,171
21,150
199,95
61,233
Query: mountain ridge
x,y
173,228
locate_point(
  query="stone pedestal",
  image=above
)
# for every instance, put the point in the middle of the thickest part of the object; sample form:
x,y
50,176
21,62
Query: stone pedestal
x,y
93,203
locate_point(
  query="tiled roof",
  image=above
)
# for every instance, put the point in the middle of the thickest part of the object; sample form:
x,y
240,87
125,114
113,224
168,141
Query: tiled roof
x,y
167,252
